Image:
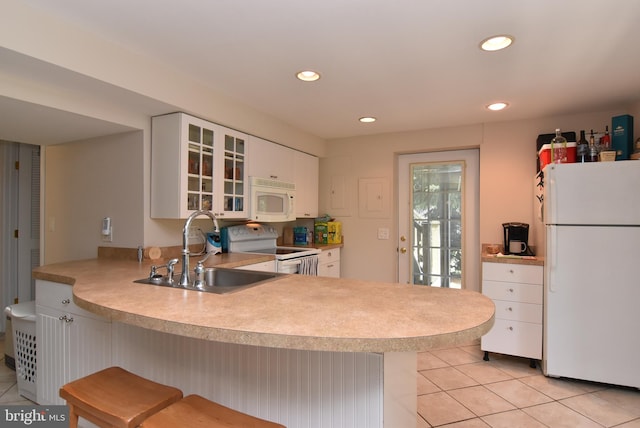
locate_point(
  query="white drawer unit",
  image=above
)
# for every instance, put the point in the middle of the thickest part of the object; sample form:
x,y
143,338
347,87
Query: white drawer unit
x,y
517,292
511,272
329,263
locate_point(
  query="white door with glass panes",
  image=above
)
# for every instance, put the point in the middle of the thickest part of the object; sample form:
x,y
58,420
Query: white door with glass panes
x,y
438,226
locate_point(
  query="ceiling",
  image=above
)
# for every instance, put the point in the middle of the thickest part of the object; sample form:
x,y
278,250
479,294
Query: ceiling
x,y
413,64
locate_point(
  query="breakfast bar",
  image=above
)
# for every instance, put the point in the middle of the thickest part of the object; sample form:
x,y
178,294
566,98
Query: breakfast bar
x,y
298,350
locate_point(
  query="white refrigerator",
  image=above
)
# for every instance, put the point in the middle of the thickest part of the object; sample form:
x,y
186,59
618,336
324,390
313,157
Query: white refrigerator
x,y
592,272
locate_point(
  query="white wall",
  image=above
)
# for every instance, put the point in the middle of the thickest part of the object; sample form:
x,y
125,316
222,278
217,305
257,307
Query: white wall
x,y
86,181
507,169
364,255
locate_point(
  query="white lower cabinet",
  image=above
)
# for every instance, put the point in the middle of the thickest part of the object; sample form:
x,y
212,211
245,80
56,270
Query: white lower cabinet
x,y
329,263
517,292
71,342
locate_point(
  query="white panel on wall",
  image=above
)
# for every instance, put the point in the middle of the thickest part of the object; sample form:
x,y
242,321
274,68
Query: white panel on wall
x,y
374,198
299,389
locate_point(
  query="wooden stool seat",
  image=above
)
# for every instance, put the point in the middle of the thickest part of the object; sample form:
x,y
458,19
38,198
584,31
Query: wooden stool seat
x,y
114,397
195,411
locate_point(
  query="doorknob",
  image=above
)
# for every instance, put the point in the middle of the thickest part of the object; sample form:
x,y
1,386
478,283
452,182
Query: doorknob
x,y
403,250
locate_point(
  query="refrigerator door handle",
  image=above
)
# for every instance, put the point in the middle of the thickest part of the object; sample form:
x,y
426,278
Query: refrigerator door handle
x,y
552,201
552,238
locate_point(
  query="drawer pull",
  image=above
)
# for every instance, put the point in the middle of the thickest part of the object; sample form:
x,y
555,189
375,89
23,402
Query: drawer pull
x,y
510,309
510,290
66,301
510,328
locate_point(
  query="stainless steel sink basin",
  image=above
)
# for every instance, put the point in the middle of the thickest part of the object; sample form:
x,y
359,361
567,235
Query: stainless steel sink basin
x,y
217,280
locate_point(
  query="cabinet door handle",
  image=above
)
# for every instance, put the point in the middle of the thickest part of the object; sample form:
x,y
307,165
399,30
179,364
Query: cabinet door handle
x,y
510,309
66,319
510,290
510,270
66,301
510,328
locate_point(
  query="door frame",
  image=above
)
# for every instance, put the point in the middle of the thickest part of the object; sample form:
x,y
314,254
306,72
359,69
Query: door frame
x,y
470,220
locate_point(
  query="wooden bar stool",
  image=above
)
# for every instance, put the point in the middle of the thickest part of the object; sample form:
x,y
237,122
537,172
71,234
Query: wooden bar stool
x,y
114,397
194,411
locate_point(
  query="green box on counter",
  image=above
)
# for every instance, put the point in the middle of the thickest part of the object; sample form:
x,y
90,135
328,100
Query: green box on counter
x,y
327,232
622,136
320,232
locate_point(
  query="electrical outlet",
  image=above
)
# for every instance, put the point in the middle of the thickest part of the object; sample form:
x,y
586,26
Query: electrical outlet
x,y
109,236
383,233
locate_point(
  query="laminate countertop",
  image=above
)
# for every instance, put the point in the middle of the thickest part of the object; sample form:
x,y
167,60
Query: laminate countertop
x,y
292,312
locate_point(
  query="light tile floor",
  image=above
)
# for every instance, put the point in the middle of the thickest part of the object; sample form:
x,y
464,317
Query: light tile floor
x,y
457,389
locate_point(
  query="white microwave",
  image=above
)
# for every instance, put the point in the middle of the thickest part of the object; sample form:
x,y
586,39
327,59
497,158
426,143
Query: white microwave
x,y
271,200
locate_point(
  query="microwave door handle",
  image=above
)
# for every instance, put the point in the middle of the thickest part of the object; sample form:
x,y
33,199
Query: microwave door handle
x,y
290,198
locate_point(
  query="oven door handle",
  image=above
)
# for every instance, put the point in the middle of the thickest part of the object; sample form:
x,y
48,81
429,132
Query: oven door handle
x,y
289,262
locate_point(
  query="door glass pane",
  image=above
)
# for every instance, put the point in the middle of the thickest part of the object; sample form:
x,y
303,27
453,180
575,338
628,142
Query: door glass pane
x,y
437,227
194,133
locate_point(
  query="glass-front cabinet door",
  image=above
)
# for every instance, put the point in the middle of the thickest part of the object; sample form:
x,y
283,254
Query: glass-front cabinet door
x,y
234,189
200,151
197,165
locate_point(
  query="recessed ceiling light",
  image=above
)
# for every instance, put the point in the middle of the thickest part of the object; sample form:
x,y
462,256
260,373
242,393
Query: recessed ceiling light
x,y
308,75
495,43
367,119
497,106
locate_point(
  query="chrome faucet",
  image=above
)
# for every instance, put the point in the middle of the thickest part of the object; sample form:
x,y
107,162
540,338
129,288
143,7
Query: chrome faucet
x,y
169,266
184,276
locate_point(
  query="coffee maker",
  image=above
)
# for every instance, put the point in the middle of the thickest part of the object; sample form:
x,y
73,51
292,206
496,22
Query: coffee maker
x,y
516,239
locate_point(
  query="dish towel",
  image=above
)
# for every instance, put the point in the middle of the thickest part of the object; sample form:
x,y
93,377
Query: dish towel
x,y
309,265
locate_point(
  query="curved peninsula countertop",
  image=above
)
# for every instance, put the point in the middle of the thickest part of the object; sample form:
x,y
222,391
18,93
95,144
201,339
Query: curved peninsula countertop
x,y
292,312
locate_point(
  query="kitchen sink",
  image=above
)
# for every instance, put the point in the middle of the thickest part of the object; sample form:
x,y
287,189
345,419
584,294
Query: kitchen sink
x,y
217,280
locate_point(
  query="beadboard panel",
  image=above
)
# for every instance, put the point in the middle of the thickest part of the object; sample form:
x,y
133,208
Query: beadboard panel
x,y
299,389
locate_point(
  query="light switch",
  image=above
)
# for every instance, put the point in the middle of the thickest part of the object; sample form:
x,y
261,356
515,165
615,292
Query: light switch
x,y
383,233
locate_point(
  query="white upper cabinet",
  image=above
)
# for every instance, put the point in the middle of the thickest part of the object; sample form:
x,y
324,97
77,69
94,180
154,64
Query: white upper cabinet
x,y
196,164
306,169
271,160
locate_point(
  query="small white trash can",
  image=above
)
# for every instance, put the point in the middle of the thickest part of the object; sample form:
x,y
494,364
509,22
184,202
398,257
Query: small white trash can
x,y
23,324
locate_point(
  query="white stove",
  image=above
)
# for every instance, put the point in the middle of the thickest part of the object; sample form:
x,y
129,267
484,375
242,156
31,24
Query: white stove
x,y
256,238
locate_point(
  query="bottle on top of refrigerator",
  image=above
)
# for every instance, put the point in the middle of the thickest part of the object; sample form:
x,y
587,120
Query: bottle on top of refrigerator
x,y
593,148
558,148
605,140
582,148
